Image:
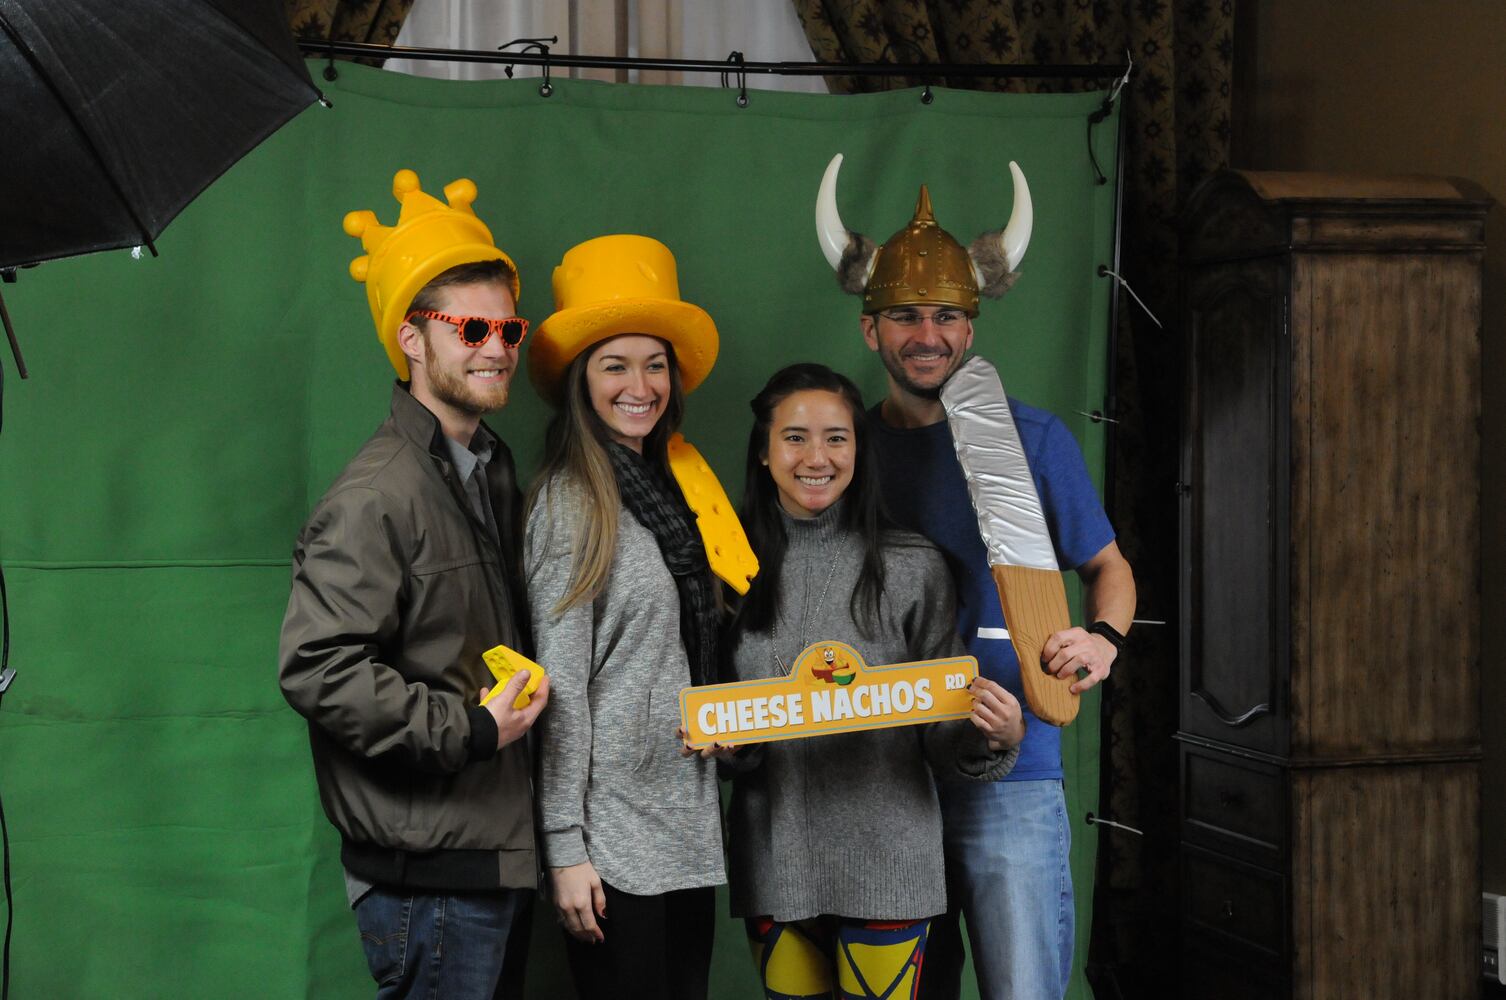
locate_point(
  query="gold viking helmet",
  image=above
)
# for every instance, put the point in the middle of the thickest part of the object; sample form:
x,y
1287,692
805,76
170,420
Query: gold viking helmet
x,y
923,264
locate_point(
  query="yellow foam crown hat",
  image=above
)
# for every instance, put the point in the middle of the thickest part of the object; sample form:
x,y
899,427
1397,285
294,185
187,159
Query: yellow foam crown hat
x,y
614,285
430,238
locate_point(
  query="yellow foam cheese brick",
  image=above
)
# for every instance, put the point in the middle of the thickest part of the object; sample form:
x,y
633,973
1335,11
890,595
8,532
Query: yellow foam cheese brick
x,y
727,548
503,663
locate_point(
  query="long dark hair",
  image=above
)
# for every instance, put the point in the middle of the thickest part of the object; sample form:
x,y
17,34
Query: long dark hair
x,y
575,447
862,512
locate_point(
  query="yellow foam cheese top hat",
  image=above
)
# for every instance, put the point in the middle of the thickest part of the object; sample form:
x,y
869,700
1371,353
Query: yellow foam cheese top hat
x,y
430,238
620,284
614,285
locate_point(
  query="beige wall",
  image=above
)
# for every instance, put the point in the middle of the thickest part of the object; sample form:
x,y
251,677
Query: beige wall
x,y
1402,86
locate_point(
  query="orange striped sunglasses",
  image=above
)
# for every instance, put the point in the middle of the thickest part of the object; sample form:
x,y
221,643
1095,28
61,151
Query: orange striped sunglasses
x,y
477,330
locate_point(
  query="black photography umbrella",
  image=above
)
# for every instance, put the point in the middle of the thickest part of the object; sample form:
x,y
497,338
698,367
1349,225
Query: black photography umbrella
x,y
115,114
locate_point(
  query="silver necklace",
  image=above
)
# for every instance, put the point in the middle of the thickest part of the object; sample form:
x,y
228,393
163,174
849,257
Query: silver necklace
x,y
807,613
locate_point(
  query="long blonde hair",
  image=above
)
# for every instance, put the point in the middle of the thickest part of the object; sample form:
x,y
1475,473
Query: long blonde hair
x,y
575,451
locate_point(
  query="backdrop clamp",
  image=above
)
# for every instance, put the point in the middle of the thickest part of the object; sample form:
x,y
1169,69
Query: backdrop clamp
x,y
1100,821
1103,112
539,45
1104,271
736,58
886,56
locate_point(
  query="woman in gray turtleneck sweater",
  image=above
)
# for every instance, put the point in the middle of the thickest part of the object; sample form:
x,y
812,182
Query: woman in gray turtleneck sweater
x,y
836,840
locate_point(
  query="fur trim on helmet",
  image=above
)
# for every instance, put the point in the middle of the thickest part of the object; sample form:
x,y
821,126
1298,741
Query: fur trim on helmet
x,y
987,254
856,263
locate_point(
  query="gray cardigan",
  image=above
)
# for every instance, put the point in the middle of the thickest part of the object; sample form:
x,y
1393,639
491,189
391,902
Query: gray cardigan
x,y
612,786
849,824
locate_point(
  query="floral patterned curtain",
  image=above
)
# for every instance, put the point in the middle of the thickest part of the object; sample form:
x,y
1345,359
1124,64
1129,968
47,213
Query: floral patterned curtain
x,y
375,21
1177,129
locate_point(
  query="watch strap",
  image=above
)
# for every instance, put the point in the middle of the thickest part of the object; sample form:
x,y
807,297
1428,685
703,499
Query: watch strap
x,y
1109,632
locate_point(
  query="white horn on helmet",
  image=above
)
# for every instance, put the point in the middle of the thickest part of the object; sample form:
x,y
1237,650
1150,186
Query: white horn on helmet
x,y
996,255
1021,220
850,254
830,232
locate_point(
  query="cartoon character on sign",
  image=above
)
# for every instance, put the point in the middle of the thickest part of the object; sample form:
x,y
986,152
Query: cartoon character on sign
x,y
823,670
832,669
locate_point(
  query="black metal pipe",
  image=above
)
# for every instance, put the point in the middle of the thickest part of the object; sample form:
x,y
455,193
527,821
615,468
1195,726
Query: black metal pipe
x,y
10,334
366,49
1111,403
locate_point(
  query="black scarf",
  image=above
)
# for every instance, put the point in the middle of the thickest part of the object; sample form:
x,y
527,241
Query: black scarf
x,y
661,509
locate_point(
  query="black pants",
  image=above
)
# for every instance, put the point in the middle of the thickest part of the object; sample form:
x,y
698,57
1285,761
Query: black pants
x,y
656,947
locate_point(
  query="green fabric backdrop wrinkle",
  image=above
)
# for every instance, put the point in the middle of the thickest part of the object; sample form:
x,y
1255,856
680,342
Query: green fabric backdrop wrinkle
x,y
186,412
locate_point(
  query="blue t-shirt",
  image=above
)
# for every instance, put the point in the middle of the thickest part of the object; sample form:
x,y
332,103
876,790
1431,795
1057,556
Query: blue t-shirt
x,y
924,491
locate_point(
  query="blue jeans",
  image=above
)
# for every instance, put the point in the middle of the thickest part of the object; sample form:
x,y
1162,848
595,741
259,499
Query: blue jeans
x,y
1007,872
445,947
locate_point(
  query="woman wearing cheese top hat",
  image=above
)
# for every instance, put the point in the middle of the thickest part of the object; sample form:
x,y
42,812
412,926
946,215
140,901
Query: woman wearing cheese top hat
x,y
625,613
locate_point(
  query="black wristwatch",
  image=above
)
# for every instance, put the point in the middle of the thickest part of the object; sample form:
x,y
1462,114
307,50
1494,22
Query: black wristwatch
x,y
1109,632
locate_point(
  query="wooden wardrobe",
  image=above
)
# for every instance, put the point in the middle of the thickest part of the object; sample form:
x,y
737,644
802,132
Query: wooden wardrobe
x,y
1330,512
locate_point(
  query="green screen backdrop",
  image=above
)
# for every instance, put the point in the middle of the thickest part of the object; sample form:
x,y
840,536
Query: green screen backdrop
x,y
184,413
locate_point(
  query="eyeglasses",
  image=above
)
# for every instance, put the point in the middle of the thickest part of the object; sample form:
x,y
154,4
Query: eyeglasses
x,y
944,318
476,330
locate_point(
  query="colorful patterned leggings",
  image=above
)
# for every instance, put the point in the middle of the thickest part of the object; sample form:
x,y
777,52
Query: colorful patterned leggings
x,y
836,957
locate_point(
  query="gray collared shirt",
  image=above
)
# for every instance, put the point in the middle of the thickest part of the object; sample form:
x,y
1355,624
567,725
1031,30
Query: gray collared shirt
x,y
470,466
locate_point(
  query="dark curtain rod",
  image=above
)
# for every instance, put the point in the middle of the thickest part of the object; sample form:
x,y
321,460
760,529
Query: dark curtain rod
x,y
314,47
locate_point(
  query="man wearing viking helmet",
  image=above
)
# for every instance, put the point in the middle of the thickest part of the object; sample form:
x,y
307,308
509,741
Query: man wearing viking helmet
x,y
1006,841
405,573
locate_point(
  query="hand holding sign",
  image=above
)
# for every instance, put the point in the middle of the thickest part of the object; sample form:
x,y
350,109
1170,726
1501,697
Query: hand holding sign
x,y
997,714
716,751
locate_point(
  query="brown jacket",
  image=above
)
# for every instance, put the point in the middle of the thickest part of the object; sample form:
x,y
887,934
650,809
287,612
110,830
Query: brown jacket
x,y
397,590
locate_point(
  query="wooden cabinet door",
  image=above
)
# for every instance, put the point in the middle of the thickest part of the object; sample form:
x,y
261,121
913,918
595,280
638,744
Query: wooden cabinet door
x,y
1235,505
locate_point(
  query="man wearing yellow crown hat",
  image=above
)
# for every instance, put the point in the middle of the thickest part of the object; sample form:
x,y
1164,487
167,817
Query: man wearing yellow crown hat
x,y
406,571
1007,841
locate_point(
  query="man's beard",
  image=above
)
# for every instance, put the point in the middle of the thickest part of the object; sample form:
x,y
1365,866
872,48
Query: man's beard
x,y
454,389
895,366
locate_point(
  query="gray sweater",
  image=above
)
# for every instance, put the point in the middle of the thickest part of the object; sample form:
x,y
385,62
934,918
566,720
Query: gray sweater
x,y
612,786
849,824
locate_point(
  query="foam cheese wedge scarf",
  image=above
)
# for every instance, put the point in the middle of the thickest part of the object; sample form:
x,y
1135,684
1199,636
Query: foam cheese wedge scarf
x,y
1014,529
727,548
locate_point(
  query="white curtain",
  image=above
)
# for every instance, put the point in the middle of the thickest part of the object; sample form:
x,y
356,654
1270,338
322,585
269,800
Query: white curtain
x,y
763,30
